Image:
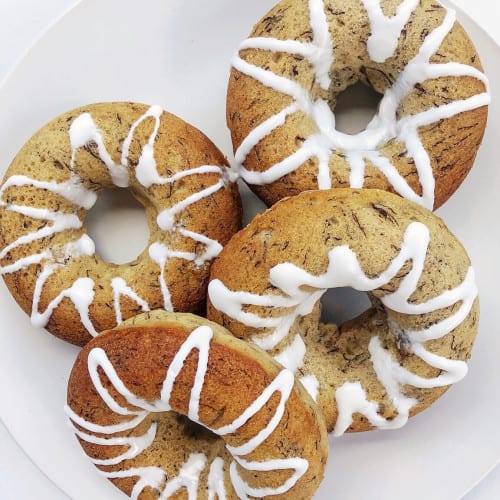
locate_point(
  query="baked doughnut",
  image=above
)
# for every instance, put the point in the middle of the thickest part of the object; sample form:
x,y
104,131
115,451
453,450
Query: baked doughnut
x,y
385,365
171,402
287,76
47,259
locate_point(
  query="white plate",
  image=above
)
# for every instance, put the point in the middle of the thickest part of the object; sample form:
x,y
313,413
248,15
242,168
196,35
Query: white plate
x,y
176,53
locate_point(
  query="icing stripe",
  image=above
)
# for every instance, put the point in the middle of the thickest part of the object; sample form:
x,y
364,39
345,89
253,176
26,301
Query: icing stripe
x,y
299,466
135,444
215,480
120,287
386,31
82,132
283,384
81,292
165,219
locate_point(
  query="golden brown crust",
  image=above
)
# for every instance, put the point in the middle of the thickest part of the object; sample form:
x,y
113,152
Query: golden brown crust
x,y
452,143
302,231
47,156
141,351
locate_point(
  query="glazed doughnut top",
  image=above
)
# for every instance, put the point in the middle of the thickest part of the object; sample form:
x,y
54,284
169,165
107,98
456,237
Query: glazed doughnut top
x,y
287,76
171,405
396,358
48,260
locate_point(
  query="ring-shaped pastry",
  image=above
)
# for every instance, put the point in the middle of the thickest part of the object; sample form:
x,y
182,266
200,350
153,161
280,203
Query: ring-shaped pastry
x,y
303,54
394,360
172,403
48,260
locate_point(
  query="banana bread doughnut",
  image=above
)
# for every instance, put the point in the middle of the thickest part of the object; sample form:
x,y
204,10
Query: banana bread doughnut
x,y
287,76
168,404
47,259
385,365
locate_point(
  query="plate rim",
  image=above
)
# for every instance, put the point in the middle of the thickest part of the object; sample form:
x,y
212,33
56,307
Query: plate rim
x,y
13,69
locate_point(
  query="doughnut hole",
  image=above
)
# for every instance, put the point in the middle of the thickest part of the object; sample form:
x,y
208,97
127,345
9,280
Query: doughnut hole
x,y
339,305
355,107
117,223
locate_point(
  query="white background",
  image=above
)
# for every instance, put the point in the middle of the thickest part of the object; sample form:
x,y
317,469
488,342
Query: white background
x,y
22,22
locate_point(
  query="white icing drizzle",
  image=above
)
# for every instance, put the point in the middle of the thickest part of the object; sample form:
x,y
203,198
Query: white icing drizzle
x,y
136,444
152,477
160,253
212,247
82,132
147,154
71,190
138,409
311,385
81,292
386,31
351,398
215,481
319,52
147,173
299,465
300,290
189,477
120,287
293,356
283,384
166,218
385,125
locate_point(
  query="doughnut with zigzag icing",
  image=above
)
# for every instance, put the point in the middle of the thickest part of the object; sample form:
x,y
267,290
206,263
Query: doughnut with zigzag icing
x,y
47,258
394,360
171,404
303,54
